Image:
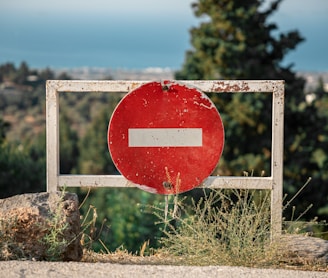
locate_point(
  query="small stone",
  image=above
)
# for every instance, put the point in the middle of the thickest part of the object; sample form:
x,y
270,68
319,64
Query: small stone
x,y
304,248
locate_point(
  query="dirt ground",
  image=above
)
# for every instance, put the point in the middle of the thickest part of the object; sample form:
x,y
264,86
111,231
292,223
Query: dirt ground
x,y
27,269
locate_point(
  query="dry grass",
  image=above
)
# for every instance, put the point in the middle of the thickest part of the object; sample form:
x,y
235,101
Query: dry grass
x,y
125,257
9,249
223,228
161,258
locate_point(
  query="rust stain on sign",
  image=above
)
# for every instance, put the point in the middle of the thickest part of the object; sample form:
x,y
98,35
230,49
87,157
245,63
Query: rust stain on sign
x,y
226,86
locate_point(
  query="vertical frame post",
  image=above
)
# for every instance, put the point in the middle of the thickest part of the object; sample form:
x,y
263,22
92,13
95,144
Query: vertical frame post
x,y
52,136
277,159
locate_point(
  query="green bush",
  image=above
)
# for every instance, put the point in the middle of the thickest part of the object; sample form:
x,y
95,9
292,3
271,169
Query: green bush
x,y
19,171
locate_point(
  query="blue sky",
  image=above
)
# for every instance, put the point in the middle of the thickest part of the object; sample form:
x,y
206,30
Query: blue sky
x,y
133,34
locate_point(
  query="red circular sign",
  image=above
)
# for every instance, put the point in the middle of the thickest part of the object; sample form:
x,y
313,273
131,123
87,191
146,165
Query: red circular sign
x,y
165,137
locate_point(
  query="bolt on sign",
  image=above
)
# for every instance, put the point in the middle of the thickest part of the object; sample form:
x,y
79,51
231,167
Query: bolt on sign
x,y
166,137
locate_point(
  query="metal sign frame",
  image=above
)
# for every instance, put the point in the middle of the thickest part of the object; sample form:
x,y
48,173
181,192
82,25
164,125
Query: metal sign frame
x,y
274,182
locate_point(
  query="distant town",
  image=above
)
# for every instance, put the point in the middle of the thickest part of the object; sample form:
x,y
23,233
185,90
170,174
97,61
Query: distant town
x,y
86,73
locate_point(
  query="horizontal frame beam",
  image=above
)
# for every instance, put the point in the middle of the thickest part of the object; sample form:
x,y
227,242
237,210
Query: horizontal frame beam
x,y
120,181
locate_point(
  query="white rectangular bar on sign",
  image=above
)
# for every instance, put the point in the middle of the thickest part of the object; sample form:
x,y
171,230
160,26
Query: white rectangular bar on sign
x,y
165,137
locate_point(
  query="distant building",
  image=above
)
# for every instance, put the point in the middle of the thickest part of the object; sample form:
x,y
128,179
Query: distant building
x,y
325,87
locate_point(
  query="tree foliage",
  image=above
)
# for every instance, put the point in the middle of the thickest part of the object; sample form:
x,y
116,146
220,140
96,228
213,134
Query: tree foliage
x,y
124,218
94,156
3,128
68,139
22,168
22,159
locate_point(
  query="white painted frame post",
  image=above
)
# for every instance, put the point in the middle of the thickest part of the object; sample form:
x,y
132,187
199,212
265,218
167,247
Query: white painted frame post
x,y
274,183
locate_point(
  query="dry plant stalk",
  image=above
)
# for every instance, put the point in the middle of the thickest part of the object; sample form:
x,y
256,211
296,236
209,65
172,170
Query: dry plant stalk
x,y
228,227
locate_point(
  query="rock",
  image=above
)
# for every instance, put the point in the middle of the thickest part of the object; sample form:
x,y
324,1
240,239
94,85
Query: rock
x,y
301,249
40,226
